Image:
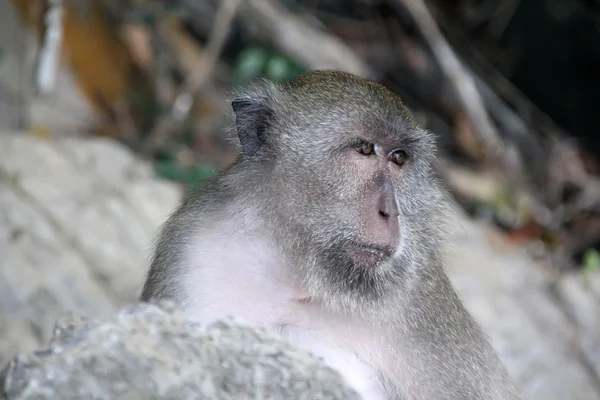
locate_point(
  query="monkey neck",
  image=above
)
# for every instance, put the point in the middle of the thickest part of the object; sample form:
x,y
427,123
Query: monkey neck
x,y
243,218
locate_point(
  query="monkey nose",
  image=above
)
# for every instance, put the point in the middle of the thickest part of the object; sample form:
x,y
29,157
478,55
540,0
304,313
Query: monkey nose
x,y
387,207
388,213
388,221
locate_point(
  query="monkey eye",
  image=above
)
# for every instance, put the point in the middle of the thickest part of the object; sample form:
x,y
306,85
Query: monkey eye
x,y
398,157
363,147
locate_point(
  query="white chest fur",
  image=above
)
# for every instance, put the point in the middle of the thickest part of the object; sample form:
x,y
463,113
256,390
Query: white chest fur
x,y
246,280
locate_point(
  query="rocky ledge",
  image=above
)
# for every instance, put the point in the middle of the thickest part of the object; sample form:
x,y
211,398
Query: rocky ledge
x,y
150,352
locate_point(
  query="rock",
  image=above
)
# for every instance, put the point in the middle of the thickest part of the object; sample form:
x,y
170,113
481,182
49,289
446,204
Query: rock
x,y
510,295
151,351
77,219
66,325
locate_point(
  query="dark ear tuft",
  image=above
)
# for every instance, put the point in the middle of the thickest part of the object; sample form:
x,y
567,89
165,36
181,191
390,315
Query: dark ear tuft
x,y
253,117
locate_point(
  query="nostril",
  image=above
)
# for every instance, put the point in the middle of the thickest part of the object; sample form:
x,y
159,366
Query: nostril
x,y
387,205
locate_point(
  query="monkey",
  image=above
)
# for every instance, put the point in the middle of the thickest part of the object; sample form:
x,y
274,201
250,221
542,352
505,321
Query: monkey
x,y
330,229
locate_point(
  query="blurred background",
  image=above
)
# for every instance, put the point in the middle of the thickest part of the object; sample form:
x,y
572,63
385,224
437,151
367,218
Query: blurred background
x,y
111,109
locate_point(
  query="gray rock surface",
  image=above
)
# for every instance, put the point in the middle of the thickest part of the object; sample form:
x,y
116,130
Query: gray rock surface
x,y
549,353
77,219
149,352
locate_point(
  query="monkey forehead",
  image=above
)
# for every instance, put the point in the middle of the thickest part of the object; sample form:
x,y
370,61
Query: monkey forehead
x,y
343,95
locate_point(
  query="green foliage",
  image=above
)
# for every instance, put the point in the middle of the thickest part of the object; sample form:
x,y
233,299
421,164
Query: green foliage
x,y
255,61
191,177
591,261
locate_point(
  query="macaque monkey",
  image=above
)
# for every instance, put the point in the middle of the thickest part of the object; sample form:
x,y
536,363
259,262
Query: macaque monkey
x,y
329,229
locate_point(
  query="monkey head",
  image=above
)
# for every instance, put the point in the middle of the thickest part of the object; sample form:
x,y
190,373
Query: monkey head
x,y
347,169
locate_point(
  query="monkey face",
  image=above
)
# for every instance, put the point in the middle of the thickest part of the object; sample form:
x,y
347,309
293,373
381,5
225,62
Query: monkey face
x,y
351,174
360,198
364,200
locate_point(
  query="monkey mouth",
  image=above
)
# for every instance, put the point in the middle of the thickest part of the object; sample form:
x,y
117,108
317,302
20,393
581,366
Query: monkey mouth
x,y
371,255
378,251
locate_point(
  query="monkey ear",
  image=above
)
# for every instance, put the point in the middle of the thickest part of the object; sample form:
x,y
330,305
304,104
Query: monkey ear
x,y
252,119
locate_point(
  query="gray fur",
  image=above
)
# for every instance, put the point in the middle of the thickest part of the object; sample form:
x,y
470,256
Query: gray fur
x,y
294,175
